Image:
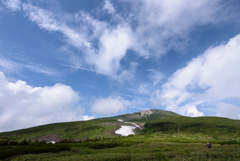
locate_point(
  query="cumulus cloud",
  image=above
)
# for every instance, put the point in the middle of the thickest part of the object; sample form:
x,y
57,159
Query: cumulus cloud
x,y
23,106
206,79
193,112
13,5
110,105
228,110
113,47
85,118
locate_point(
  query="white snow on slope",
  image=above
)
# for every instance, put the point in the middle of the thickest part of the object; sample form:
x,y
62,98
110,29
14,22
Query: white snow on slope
x,y
125,130
120,120
134,124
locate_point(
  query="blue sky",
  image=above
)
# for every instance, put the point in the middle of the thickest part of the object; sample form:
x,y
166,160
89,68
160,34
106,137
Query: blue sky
x,y
77,60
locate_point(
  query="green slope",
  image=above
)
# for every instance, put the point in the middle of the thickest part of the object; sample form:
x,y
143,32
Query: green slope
x,y
74,130
159,140
213,126
158,121
102,127
136,117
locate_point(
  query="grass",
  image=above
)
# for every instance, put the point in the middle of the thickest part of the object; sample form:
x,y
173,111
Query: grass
x,y
80,129
155,146
148,149
103,127
200,126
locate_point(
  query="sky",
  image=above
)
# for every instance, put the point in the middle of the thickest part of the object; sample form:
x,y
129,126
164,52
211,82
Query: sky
x,y
78,60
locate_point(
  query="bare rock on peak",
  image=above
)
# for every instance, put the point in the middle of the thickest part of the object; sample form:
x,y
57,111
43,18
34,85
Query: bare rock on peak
x,y
146,113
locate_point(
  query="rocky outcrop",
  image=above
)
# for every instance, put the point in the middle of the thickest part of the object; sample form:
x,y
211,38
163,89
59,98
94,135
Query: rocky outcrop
x,y
146,113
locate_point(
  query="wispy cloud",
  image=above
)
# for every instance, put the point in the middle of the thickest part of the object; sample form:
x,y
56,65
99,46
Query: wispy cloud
x,y
8,64
12,65
155,76
103,45
167,24
113,41
78,67
48,21
13,5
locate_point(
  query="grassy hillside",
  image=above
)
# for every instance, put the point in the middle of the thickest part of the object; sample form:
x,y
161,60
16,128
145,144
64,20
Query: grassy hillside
x,y
75,130
159,121
136,117
159,140
102,127
214,126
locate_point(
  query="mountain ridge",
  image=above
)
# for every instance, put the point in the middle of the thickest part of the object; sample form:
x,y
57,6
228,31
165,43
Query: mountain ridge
x,y
99,127
151,121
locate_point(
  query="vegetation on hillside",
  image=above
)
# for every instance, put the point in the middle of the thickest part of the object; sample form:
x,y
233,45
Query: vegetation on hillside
x,y
155,146
136,117
214,126
75,130
102,127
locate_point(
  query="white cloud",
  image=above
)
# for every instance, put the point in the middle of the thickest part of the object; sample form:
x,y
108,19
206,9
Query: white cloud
x,y
8,64
113,47
23,106
85,118
193,112
228,110
113,41
13,5
209,78
110,105
145,89
155,76
109,7
173,21
30,65
48,21
105,44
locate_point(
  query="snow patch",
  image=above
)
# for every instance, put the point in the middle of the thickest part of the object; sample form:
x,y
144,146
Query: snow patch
x,y
126,130
134,124
120,120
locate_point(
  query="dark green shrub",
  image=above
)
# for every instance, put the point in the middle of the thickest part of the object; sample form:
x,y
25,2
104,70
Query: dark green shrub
x,y
4,142
100,145
33,148
24,142
13,143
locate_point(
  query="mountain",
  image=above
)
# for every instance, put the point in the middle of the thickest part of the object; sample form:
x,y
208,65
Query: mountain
x,y
102,127
142,116
150,121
